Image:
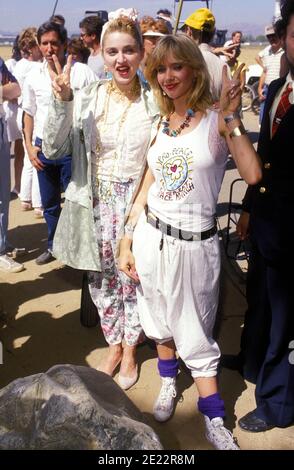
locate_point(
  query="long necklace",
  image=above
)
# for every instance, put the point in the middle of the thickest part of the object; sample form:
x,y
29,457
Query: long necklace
x,y
175,132
113,91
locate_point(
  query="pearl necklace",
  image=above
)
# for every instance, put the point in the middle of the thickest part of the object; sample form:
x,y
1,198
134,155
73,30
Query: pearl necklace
x,y
175,132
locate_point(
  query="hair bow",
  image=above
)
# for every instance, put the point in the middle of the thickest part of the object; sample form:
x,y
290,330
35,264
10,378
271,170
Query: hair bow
x,y
131,13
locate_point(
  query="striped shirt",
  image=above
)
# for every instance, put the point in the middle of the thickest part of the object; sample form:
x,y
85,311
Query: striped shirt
x,y
271,63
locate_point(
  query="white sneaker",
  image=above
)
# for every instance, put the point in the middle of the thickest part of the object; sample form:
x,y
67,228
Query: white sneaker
x,y
219,436
164,405
9,265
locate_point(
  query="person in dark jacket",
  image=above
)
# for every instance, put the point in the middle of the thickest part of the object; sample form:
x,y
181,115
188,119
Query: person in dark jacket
x,y
265,356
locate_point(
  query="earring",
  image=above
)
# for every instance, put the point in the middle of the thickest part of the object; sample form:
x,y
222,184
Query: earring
x,y
164,94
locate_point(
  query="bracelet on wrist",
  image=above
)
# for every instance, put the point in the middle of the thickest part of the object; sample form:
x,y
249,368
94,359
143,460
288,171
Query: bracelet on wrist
x,y
238,131
129,229
231,117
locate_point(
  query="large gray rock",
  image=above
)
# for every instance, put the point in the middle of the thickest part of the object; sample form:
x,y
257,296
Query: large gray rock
x,y
71,407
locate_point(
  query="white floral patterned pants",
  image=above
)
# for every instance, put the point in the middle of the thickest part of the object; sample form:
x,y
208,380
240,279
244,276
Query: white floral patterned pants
x,y
113,293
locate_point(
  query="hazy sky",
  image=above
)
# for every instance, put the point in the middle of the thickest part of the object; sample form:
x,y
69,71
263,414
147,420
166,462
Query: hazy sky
x,y
17,14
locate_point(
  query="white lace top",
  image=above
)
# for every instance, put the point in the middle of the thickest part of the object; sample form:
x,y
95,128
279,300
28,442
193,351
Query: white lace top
x,y
188,171
122,132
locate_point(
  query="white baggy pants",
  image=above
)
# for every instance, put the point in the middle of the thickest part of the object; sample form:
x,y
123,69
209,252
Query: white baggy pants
x,y
29,186
178,294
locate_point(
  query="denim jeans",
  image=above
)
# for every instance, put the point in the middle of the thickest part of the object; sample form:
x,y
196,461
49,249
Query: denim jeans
x,y
4,185
53,179
261,109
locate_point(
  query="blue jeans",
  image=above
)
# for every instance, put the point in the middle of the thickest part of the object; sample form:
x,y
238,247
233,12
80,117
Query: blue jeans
x,y
4,186
261,109
53,179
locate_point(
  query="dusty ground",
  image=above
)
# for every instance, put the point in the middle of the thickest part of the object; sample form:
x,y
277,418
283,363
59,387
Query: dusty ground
x,y
248,54
5,52
41,328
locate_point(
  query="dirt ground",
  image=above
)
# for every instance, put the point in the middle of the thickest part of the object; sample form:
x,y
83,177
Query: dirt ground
x,y
5,52
40,327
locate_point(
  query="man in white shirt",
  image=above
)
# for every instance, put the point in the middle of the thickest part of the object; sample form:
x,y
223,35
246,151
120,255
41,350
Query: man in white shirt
x,y
52,175
271,63
91,28
235,40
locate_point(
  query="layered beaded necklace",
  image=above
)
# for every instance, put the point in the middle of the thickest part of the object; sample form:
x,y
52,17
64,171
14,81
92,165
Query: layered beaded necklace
x,y
175,132
119,97
102,123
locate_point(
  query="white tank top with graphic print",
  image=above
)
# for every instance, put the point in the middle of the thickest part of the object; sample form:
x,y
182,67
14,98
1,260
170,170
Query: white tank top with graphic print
x,y
188,171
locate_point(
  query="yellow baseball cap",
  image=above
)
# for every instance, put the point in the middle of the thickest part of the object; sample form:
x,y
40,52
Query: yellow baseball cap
x,y
201,19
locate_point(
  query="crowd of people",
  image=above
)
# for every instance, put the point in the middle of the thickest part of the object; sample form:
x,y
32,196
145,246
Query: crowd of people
x,y
135,124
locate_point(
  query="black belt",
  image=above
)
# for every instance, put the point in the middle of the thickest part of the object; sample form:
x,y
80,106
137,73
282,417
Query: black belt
x,y
168,229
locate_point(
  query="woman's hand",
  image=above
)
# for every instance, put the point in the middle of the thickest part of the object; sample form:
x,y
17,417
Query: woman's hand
x,y
230,99
126,261
61,79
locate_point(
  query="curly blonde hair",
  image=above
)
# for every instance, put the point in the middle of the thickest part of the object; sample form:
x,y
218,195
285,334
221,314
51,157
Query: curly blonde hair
x,y
27,39
184,51
146,23
123,24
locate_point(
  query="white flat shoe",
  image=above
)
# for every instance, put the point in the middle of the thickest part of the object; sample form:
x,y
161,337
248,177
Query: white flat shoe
x,y
127,382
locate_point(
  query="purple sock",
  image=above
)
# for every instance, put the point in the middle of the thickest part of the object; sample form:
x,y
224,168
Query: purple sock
x,y
168,367
212,406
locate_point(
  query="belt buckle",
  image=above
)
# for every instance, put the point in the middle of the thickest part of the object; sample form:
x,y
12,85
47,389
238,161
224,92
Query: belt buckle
x,y
186,236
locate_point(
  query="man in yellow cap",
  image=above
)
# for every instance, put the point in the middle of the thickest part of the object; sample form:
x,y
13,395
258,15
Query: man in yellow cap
x,y
200,26
201,20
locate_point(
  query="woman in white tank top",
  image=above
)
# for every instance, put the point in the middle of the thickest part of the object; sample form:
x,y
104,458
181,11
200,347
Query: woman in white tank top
x,y
175,254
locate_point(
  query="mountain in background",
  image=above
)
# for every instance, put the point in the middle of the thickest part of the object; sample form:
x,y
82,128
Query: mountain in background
x,y
248,29
7,33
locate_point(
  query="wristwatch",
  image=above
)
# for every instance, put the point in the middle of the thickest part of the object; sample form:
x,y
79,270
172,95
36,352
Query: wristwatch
x,y
231,117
